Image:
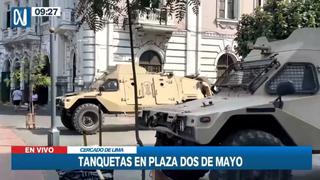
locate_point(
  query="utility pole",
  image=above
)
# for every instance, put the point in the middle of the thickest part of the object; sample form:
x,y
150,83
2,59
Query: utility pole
x,y
139,142
53,135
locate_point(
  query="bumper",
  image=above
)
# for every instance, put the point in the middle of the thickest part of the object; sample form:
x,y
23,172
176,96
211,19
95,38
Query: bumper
x,y
59,104
168,124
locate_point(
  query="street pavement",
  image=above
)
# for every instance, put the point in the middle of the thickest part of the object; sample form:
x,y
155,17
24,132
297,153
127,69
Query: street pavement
x,y
14,132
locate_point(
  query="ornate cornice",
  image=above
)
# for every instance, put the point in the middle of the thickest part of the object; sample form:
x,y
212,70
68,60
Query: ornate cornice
x,y
179,33
227,23
214,35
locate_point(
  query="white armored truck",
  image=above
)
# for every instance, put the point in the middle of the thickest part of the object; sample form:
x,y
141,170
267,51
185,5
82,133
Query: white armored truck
x,y
271,98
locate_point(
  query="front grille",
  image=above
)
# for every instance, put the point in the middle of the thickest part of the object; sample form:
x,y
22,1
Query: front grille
x,y
188,132
59,103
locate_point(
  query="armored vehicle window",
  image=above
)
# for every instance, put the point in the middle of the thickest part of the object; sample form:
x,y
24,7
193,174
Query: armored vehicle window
x,y
98,82
302,75
111,85
247,75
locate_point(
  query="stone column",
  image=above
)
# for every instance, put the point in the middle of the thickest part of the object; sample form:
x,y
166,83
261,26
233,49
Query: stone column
x,y
191,56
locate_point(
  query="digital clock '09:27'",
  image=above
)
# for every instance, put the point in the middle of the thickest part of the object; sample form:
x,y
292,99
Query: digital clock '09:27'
x,y
45,11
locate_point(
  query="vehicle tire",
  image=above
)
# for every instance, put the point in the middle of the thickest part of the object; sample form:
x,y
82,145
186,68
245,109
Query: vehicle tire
x,y
66,120
86,119
177,174
251,138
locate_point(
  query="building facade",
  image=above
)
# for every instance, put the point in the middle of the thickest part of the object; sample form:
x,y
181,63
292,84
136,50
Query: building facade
x,y
22,44
199,44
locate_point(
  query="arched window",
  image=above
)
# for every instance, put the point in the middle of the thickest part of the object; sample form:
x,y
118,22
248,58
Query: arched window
x,y
43,91
6,66
5,86
223,63
16,65
151,61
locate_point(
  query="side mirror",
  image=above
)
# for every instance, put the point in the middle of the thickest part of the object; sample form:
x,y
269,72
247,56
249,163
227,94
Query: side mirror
x,y
285,88
101,88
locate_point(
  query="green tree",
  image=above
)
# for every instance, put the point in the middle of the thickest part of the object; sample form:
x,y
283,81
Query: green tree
x,y
33,74
277,20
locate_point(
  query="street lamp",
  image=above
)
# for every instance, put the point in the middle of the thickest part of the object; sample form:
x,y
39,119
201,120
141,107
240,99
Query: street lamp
x,y
53,134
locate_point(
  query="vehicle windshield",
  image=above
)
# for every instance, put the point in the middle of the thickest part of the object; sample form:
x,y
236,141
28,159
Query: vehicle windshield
x,y
245,74
98,81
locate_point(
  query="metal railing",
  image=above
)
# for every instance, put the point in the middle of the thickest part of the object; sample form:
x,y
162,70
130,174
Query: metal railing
x,y
14,31
9,33
154,16
5,33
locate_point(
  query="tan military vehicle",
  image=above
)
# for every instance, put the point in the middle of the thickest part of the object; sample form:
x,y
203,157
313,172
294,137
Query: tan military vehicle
x,y
272,98
79,111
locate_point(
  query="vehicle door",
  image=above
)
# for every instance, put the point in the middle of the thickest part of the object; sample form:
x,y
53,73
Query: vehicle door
x,y
146,94
112,94
129,90
166,90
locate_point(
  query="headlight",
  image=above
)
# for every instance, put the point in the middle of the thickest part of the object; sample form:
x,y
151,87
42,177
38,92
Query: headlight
x,y
181,123
182,126
60,101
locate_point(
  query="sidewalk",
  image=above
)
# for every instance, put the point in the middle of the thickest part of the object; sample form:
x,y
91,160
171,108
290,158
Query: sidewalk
x,y
8,109
7,139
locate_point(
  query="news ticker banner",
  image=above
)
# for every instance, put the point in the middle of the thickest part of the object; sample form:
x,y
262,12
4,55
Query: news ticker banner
x,y
164,157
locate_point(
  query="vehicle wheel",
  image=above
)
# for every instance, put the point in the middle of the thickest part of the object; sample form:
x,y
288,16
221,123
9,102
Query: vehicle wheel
x,y
177,174
86,119
66,120
251,138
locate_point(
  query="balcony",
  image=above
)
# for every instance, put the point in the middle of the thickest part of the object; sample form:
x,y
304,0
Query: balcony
x,y
5,33
18,34
154,20
67,21
14,32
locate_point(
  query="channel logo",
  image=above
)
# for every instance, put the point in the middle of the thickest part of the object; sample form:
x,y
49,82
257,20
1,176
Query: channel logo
x,y
20,17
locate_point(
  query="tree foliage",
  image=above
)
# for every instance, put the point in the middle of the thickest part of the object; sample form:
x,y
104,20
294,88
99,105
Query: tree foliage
x,y
277,20
34,75
97,12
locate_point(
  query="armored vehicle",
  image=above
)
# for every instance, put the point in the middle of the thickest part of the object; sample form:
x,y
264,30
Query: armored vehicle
x,y
114,92
269,99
